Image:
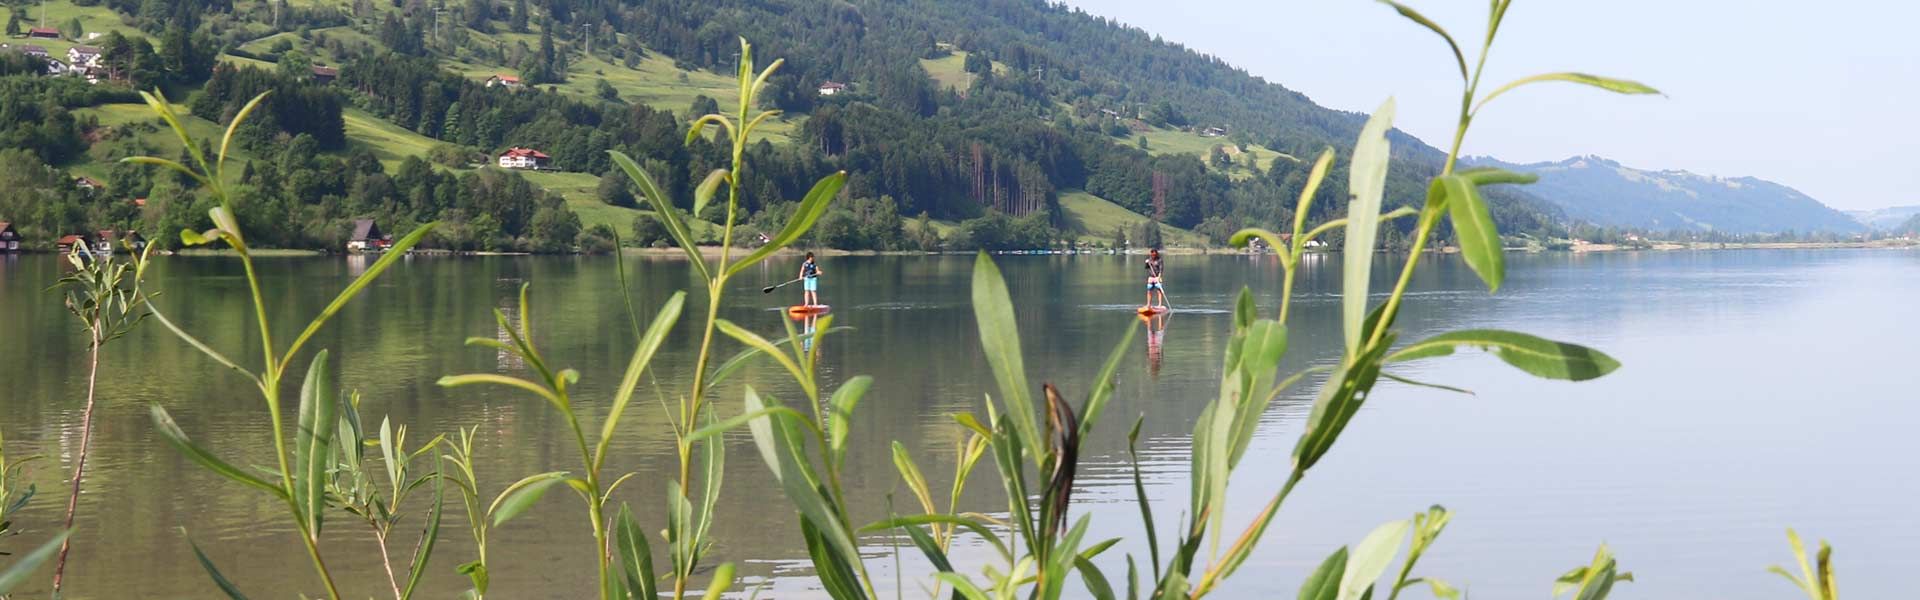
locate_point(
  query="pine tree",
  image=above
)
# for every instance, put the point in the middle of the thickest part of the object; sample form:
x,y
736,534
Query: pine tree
x,y
13,24
518,20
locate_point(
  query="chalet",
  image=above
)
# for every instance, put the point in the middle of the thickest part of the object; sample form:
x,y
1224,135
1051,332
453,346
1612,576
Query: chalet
x,y
43,33
523,158
367,237
35,50
325,75
103,241
67,242
830,88
56,67
505,81
83,57
88,183
139,202
1213,132
9,238
1110,113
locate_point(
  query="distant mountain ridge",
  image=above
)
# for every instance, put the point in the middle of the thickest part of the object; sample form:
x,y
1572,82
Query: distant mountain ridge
x,y
1885,218
1606,193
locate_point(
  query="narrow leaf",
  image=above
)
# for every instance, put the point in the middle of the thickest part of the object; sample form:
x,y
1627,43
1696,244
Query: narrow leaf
x,y
359,284
811,208
163,423
1324,583
1473,225
522,495
1000,339
1534,355
1367,184
642,356
226,586
313,443
663,211
1415,16
23,568
1371,557
1619,86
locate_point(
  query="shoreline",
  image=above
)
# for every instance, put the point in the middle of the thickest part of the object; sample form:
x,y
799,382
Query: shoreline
x,y
714,251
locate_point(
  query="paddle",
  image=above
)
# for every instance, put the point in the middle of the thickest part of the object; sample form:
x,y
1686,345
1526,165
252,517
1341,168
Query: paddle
x,y
771,288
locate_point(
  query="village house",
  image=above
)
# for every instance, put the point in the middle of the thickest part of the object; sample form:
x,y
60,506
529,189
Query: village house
x,y
367,237
1213,132
523,158
103,241
9,238
43,33
36,51
83,57
506,81
830,88
67,242
88,183
325,75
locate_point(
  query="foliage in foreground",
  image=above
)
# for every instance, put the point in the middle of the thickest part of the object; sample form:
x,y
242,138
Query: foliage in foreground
x,y
1038,548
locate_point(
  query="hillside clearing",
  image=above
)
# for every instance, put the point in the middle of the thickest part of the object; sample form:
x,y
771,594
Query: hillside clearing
x,y
1095,218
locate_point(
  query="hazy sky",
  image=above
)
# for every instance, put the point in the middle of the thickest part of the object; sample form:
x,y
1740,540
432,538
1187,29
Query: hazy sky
x,y
1818,96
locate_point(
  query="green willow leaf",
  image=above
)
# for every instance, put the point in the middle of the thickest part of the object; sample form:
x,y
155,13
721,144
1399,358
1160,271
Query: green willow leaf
x,y
1367,183
226,585
703,193
841,405
1485,176
722,579
1618,86
1324,583
745,357
234,125
313,443
1473,225
663,211
1000,339
23,568
1537,356
1103,384
522,495
811,208
1371,557
392,255
428,537
163,423
1339,400
980,529
642,356
1415,16
636,557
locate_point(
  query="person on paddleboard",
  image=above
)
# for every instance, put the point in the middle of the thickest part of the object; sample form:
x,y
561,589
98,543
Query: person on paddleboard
x,y
1155,270
810,282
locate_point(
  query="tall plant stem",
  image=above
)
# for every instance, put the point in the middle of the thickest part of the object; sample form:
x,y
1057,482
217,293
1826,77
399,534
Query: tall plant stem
x,y
271,385
80,464
1250,536
386,561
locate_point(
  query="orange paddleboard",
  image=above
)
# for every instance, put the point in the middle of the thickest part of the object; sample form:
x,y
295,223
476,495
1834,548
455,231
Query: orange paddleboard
x,y
1152,310
807,310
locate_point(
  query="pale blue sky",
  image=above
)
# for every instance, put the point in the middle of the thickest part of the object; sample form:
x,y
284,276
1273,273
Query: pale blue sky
x,y
1818,96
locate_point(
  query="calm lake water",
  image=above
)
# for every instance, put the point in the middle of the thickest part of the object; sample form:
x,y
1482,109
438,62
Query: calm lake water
x,y
1761,390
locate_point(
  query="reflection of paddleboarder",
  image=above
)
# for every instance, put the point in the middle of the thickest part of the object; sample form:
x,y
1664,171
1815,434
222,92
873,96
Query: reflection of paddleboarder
x,y
1156,335
1155,270
810,325
810,282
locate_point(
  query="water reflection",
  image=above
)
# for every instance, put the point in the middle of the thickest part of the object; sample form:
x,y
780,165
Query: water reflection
x,y
1674,460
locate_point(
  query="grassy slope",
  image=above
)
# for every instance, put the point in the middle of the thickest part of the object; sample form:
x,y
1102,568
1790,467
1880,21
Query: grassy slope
x,y
1095,218
93,19
1172,141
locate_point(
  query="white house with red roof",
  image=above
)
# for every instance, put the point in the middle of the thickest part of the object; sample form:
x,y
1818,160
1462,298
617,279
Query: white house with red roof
x,y
523,158
506,81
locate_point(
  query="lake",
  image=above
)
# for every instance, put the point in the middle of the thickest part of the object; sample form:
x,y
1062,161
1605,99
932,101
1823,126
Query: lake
x,y
1760,390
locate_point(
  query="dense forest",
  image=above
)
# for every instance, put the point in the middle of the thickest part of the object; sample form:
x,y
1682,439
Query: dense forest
x,y
1056,100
